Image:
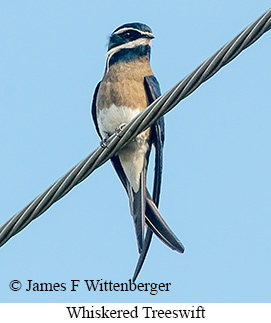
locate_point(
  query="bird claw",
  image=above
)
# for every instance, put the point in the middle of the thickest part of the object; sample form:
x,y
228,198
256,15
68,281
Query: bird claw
x,y
104,143
119,128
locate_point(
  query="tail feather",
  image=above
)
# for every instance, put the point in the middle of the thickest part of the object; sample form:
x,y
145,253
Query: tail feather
x,y
138,207
143,254
158,225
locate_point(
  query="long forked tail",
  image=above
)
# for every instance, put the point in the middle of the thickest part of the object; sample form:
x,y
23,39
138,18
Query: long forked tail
x,y
153,219
158,226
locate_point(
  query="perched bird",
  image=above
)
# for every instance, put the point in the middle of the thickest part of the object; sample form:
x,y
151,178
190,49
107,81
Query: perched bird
x,y
127,88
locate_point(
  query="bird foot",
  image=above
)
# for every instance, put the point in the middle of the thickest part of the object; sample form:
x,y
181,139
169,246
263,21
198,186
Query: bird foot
x,y
104,143
119,128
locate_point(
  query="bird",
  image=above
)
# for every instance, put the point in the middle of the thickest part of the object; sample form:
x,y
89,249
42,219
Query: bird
x,y
127,87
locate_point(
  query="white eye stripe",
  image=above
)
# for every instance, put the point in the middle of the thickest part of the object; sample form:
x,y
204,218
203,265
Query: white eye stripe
x,y
122,30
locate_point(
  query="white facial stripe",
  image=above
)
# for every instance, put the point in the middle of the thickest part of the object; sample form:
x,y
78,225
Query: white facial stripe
x,y
120,31
131,44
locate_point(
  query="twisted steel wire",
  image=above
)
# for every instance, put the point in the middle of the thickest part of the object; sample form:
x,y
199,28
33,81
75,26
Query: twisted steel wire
x,y
158,108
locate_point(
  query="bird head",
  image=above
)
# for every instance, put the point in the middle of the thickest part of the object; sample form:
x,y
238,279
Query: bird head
x,y
129,42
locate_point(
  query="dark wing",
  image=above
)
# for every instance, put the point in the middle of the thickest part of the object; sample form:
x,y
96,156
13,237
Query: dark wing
x,y
157,138
94,111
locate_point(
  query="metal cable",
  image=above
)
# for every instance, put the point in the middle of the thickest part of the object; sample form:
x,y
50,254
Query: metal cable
x,y
158,108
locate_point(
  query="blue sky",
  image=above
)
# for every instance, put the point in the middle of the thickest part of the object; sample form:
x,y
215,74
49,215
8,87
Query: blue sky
x,y
216,182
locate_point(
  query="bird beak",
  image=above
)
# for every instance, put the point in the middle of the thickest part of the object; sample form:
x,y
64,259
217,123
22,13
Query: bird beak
x,y
148,36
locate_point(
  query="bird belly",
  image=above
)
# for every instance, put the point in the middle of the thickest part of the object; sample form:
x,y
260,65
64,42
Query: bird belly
x,y
132,158
132,155
109,119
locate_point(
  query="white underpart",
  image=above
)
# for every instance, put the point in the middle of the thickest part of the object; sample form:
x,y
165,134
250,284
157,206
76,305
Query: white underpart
x,y
131,44
132,156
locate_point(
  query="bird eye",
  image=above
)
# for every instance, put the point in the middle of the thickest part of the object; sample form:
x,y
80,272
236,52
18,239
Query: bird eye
x,y
130,35
127,34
